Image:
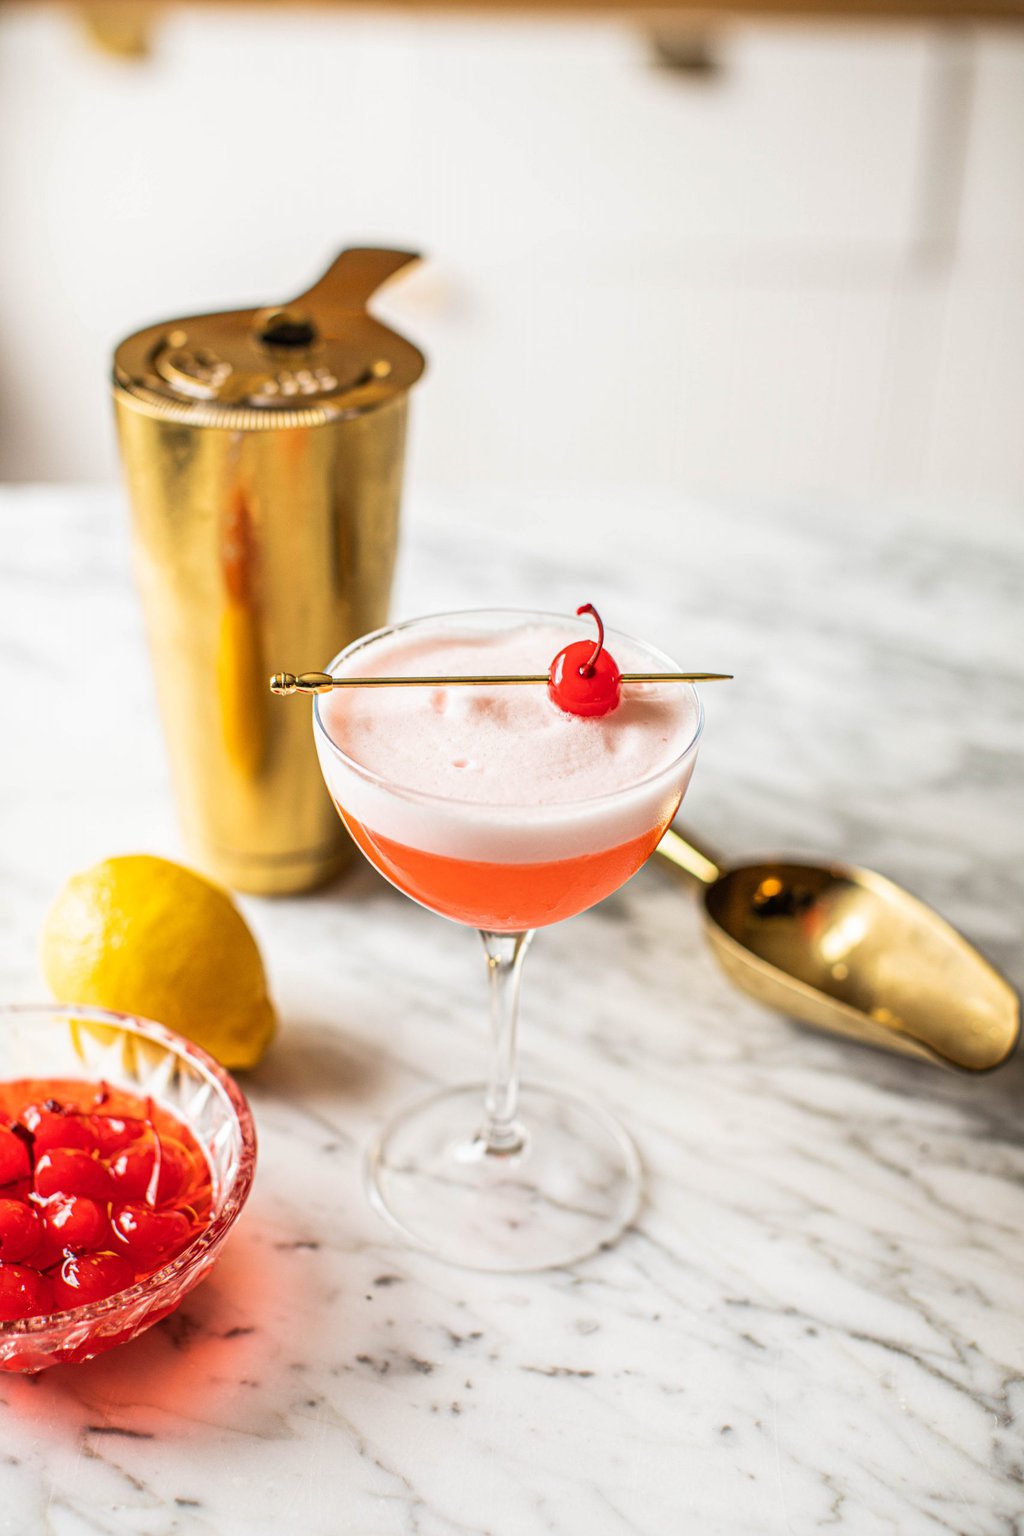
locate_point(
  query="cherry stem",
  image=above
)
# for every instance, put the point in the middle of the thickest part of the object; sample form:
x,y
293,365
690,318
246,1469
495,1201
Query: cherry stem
x,y
587,669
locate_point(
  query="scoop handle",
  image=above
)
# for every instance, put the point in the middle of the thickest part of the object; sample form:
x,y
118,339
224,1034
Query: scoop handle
x,y
693,861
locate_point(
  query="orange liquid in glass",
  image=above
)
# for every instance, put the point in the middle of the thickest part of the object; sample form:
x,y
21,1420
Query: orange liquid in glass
x,y
503,898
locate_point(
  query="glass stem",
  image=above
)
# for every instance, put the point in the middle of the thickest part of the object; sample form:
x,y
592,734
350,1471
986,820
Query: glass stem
x,y
502,1134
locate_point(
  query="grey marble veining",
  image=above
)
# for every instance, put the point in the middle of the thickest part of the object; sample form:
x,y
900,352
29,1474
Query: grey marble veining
x,y
818,1320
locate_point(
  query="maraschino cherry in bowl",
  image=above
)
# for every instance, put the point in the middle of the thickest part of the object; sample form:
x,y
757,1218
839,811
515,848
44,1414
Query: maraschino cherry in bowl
x,y
126,1155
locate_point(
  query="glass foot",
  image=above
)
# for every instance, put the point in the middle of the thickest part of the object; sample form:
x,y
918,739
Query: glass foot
x,y
571,1187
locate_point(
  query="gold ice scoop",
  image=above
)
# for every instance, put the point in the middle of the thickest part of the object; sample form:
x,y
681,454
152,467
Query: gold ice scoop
x,y
846,950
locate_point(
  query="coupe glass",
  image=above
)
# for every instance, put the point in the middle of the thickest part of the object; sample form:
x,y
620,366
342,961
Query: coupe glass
x,y
496,1176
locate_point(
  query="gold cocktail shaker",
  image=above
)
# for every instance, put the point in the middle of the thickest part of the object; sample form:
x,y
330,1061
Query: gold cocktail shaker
x,y
263,452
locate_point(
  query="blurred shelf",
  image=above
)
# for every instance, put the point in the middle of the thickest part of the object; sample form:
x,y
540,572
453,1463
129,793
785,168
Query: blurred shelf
x,y
706,12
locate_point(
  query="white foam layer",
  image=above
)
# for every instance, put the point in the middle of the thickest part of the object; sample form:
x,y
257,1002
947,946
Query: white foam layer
x,y
502,773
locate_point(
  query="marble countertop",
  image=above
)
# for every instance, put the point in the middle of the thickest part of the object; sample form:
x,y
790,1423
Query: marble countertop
x,y
817,1322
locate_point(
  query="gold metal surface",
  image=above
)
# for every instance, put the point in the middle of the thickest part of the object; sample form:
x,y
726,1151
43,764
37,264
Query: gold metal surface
x,y
261,529
323,682
319,359
846,950
119,30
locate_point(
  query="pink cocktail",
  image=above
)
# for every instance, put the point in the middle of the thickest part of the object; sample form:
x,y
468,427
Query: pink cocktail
x,y
494,807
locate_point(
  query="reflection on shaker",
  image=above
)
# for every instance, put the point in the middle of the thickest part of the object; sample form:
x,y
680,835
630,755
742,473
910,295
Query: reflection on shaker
x,y
241,662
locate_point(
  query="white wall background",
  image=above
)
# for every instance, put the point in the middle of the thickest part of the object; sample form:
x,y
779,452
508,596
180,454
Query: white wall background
x,y
804,272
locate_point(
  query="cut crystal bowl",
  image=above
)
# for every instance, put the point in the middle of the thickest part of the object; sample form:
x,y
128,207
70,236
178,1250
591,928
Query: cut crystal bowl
x,y
93,1045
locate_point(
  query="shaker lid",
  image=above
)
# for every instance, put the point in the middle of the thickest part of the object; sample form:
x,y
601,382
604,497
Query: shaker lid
x,y
316,359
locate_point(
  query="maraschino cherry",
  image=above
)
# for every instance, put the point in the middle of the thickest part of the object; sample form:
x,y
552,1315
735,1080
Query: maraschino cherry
x,y
584,679
92,1200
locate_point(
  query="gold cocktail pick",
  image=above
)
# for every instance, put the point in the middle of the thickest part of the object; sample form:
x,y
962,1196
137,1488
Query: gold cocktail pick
x,y
323,682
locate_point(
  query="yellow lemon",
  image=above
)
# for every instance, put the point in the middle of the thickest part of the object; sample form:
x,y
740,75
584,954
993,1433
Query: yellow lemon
x,y
143,935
